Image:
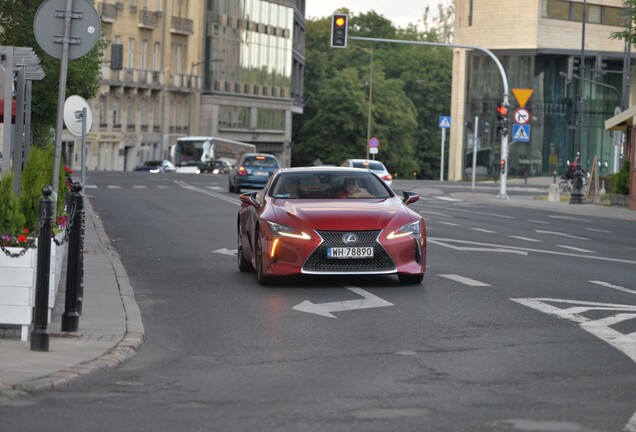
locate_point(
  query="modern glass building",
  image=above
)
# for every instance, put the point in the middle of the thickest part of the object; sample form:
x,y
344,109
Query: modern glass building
x,y
253,66
539,44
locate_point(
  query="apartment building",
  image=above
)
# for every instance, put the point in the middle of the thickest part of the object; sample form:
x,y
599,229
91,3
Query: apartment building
x,y
539,44
184,67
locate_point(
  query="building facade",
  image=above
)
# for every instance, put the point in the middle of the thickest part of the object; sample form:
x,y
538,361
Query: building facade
x,y
539,43
188,67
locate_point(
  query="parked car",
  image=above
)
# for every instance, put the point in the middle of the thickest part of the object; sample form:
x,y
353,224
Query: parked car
x,y
298,224
374,165
252,170
214,167
156,166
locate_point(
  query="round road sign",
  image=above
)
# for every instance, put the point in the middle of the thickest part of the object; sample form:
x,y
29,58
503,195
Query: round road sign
x,y
522,116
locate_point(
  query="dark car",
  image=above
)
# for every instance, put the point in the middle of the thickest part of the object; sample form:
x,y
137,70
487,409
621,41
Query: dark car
x,y
156,166
330,221
214,167
252,171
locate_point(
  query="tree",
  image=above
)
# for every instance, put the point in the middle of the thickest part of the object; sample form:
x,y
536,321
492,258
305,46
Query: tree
x,y
420,76
83,77
629,33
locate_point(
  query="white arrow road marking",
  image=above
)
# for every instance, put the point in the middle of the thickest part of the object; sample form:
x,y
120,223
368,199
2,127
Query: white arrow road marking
x,y
560,234
225,251
616,287
325,309
626,343
464,280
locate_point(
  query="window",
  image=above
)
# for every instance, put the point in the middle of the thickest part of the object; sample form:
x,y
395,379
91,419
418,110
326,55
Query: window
x,y
130,113
131,53
155,57
116,122
557,9
144,55
102,112
233,117
271,119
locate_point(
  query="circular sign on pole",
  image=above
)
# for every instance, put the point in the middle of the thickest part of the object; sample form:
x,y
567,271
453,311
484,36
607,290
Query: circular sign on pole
x,y
48,26
522,116
374,143
73,108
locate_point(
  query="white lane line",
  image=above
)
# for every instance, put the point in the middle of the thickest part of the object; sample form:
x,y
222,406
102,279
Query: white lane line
x,y
210,193
525,239
454,208
575,249
555,233
447,242
162,187
436,213
616,287
90,186
598,230
215,188
449,223
539,222
464,280
445,198
569,218
139,187
484,230
114,187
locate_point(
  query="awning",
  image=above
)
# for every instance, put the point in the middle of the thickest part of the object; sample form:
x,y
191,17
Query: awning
x,y
621,121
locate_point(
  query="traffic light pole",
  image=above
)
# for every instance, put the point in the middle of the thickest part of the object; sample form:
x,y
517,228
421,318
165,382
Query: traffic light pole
x,y
504,79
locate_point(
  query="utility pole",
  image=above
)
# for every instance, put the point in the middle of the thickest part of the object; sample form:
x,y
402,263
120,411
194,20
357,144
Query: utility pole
x,y
576,197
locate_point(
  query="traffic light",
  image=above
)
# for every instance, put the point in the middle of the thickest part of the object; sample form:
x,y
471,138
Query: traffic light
x,y
502,166
573,69
600,67
502,119
339,30
484,128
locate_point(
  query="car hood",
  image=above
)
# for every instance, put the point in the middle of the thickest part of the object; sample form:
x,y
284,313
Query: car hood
x,y
343,214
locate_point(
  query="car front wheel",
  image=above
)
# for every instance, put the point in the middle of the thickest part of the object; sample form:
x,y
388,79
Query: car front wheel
x,y
260,274
243,264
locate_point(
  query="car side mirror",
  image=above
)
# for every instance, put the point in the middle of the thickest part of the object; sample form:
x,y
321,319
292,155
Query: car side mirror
x,y
249,198
410,197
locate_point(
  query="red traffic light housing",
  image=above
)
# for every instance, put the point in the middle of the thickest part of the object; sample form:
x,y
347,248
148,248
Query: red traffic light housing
x,y
339,30
502,119
502,166
502,110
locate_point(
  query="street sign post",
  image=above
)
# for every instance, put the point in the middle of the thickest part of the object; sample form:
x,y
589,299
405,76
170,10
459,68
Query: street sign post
x,y
444,123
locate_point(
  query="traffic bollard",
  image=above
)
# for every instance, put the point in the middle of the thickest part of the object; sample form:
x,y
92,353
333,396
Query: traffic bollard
x,y
40,334
75,263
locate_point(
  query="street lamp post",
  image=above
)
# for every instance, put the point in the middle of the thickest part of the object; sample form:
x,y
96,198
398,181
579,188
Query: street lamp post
x,y
370,51
576,197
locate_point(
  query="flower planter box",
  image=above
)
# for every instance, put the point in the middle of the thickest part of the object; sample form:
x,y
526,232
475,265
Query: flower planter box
x,y
17,286
619,200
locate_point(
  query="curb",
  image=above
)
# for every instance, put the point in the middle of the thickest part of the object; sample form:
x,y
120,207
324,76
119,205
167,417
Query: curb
x,y
123,351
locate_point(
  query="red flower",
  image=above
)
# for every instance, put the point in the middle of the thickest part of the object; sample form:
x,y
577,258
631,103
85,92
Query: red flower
x,y
68,170
25,230
22,238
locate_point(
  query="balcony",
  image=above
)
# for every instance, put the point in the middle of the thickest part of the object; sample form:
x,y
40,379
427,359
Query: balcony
x,y
147,20
108,12
179,25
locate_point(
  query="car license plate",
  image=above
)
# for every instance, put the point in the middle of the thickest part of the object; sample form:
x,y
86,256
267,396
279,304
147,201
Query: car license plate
x,y
260,173
350,252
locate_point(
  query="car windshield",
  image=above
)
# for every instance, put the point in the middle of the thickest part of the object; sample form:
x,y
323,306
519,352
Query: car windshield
x,y
328,185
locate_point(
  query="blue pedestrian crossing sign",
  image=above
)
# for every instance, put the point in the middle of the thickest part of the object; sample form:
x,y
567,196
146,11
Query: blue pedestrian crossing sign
x,y
521,132
444,122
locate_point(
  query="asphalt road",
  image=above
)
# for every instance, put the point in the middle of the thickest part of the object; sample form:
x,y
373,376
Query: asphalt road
x,y
526,320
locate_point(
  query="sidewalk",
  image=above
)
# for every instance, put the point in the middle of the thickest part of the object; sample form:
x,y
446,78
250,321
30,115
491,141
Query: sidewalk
x,y
110,328
487,192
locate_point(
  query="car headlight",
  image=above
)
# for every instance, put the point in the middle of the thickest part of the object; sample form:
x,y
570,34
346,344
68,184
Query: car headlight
x,y
410,229
284,231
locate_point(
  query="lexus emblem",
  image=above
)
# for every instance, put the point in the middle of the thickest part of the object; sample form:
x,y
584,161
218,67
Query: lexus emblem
x,y
349,238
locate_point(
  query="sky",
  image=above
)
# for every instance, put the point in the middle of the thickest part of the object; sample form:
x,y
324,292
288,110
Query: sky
x,y
400,12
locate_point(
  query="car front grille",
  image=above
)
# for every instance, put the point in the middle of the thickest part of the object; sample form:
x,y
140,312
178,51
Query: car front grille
x,y
319,263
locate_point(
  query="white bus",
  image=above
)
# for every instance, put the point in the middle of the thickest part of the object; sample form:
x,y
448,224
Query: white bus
x,y
192,151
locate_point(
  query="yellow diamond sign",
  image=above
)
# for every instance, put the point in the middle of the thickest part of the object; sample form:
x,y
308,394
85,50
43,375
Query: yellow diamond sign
x,y
522,95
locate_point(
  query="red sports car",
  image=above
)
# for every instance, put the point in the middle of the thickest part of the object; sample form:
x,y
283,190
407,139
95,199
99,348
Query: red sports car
x,y
330,221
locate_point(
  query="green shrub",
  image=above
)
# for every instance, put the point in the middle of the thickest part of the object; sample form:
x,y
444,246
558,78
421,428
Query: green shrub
x,y
38,172
621,181
11,219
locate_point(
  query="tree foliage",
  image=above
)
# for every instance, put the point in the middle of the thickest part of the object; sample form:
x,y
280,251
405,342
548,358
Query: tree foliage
x,y
411,89
83,76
